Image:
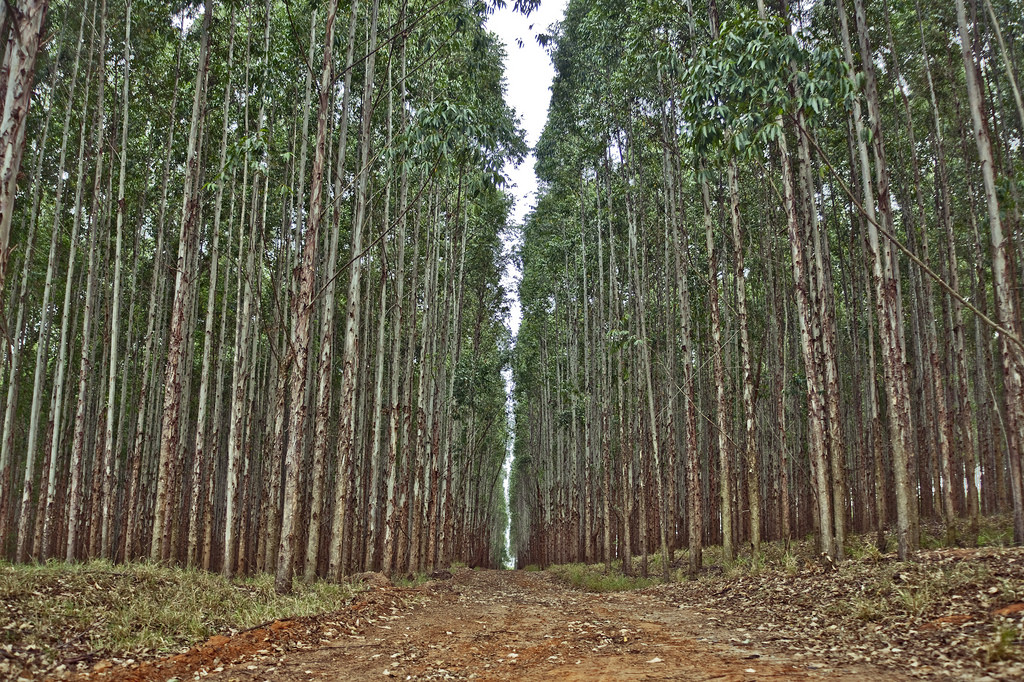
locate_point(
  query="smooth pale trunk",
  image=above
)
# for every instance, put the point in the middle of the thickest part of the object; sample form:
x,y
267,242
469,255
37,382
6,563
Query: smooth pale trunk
x,y
890,319
321,421
816,408
966,422
376,465
822,296
394,418
930,354
1010,350
170,432
722,412
198,526
238,463
346,435
75,492
753,475
639,283
139,472
24,538
115,314
302,315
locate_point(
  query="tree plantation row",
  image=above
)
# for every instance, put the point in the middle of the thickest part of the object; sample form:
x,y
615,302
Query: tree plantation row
x,y
252,305
772,286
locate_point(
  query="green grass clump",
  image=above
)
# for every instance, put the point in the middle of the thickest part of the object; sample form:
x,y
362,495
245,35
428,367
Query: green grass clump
x,y
995,531
1005,645
790,564
863,548
411,580
594,578
914,600
868,609
139,609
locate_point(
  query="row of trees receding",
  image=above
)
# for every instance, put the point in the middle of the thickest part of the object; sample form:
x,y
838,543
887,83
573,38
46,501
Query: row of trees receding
x,y
253,309
772,286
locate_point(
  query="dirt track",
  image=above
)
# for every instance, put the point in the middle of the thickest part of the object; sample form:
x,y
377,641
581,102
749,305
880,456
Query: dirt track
x,y
495,625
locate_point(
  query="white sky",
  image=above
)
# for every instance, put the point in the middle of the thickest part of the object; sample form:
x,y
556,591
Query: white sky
x,y
528,72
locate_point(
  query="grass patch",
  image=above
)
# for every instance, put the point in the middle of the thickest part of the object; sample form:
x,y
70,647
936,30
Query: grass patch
x,y
56,612
995,531
1005,645
867,609
594,578
914,600
863,548
790,564
411,580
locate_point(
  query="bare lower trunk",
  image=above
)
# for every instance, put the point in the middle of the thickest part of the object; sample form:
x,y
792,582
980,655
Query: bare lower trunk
x,y
346,425
753,471
170,434
302,314
1010,349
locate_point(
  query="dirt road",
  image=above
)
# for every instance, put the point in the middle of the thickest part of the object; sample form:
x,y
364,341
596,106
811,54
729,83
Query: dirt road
x,y
498,625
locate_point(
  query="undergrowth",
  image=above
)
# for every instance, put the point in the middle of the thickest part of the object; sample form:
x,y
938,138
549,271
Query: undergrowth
x,y
791,558
594,578
59,611
411,580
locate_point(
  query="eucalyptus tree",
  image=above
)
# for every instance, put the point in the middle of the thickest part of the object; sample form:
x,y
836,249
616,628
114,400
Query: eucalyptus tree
x,y
303,304
173,377
23,28
209,476
757,121
714,256
1009,339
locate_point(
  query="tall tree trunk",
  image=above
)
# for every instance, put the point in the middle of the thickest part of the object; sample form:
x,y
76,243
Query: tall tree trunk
x,y
890,321
301,314
346,434
722,412
815,403
753,472
170,431
115,315
321,423
43,342
203,446
395,408
77,483
1010,349
28,18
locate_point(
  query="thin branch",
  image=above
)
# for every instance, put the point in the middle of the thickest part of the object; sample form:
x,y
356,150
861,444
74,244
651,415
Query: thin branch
x,y
913,257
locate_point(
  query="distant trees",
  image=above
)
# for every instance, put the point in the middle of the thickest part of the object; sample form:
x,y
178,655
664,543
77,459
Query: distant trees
x,y
775,248
252,312
190,408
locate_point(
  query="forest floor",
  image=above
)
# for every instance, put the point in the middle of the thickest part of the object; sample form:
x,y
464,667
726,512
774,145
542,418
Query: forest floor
x,y
952,613
491,625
